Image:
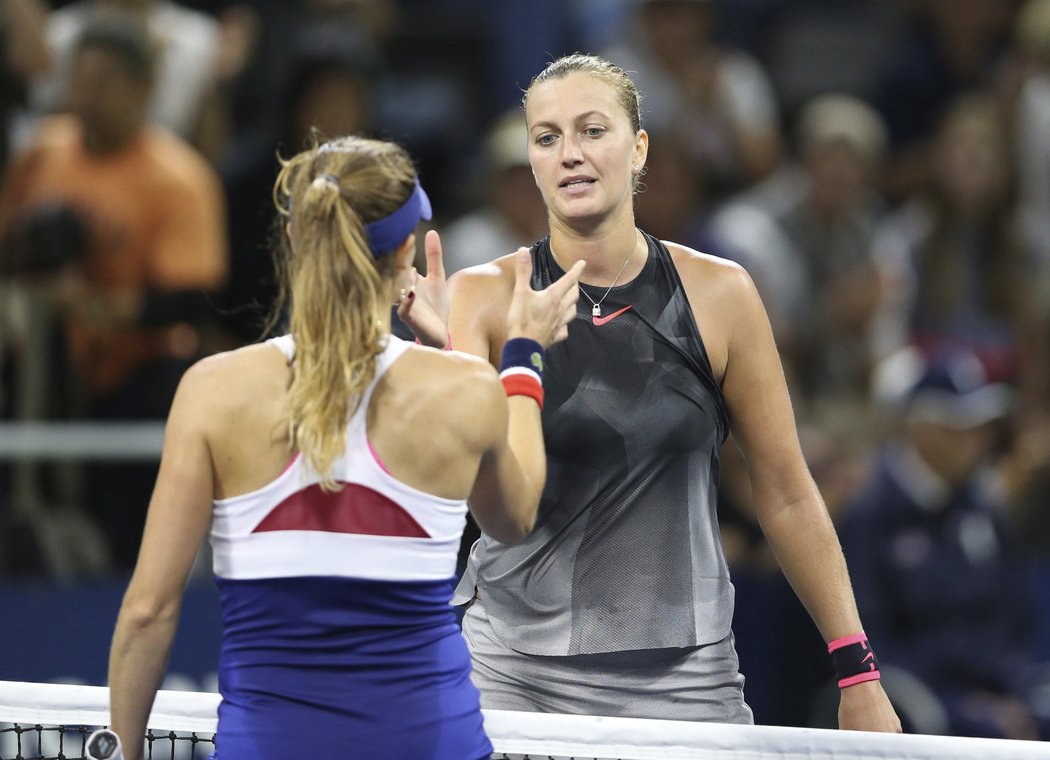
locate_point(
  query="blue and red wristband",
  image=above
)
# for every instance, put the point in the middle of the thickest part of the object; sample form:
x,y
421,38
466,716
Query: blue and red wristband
x,y
521,369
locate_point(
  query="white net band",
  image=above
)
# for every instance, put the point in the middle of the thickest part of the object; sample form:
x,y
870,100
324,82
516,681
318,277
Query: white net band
x,y
540,735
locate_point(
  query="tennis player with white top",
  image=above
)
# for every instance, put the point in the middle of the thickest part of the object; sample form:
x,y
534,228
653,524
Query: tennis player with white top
x,y
332,467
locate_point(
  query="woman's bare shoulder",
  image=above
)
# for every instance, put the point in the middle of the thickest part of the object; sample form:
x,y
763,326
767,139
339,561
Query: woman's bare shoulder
x,y
480,278
244,363
717,276
224,384
453,372
450,389
479,297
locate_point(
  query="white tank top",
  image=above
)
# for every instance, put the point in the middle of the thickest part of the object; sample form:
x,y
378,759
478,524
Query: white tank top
x,y
375,527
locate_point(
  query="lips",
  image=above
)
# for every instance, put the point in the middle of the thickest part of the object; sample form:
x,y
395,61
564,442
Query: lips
x,y
576,181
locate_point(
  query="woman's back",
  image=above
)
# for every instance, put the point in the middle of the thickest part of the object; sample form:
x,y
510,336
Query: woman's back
x,y
335,602
423,420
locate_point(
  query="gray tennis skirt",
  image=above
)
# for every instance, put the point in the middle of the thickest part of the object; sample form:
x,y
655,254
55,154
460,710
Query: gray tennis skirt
x,y
697,683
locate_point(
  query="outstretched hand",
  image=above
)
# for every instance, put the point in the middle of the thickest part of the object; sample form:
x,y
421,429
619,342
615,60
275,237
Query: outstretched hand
x,y
423,302
543,315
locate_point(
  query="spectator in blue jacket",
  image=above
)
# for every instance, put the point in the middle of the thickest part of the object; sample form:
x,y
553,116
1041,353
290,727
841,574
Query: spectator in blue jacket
x,y
939,577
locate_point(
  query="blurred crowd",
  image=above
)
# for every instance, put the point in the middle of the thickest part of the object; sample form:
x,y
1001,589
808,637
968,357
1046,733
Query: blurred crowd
x,y
880,167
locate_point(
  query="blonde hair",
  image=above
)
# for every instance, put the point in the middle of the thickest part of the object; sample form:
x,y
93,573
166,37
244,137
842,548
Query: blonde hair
x,y
334,287
605,70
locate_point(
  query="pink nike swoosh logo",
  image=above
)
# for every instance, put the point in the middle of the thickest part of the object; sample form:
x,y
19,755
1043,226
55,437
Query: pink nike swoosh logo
x,y
599,321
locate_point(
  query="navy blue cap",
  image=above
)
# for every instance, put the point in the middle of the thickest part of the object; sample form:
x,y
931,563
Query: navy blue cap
x,y
386,234
953,390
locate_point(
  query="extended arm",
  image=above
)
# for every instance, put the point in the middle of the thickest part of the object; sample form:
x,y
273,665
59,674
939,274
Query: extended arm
x,y
179,515
789,506
514,468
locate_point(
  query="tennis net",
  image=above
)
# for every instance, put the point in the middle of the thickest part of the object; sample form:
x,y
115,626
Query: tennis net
x,y
47,721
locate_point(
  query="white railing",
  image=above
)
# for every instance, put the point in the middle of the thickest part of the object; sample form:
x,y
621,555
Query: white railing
x,y
81,441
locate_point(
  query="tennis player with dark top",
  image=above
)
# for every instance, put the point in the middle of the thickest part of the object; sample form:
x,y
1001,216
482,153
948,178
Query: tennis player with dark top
x,y
620,602
331,468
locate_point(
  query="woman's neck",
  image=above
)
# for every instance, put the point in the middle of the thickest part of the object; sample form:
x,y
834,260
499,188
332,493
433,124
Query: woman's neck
x,y
616,252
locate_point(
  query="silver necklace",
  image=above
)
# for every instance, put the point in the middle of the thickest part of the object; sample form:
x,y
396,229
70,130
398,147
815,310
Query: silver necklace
x,y
596,306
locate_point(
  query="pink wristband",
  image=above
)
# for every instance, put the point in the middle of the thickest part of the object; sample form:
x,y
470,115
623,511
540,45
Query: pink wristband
x,y
845,641
854,660
859,678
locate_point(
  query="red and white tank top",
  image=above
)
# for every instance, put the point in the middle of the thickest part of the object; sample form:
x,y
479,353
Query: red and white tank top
x,y
374,527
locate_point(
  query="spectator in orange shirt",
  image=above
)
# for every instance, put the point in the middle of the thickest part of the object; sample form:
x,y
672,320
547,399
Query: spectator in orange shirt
x,y
124,224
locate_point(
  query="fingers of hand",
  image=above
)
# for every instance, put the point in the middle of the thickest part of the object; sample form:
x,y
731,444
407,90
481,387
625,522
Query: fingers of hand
x,y
435,260
568,313
523,269
569,299
573,275
569,280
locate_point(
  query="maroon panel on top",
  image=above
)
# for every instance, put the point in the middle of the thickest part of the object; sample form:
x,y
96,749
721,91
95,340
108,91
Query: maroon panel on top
x,y
352,509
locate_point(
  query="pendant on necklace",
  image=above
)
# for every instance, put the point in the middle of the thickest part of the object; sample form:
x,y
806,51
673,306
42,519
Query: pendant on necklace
x,y
596,310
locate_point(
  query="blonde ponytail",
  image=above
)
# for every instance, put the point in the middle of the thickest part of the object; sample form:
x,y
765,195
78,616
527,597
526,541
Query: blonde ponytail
x,y
338,293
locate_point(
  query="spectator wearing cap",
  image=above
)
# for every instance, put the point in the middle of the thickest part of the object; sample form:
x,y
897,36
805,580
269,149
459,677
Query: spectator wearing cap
x,y
805,235
940,581
512,213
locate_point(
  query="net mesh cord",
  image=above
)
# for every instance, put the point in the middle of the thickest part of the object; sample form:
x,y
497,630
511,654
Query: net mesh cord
x,y
51,722
19,741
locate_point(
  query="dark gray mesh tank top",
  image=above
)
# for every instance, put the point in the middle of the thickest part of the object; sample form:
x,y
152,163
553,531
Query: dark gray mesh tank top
x,y
626,552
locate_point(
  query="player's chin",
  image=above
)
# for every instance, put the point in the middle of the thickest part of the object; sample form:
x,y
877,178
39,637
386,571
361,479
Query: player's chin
x,y
583,215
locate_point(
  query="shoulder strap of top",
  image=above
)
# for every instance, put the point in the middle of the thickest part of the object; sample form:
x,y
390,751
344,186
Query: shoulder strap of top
x,y
392,351
286,345
545,269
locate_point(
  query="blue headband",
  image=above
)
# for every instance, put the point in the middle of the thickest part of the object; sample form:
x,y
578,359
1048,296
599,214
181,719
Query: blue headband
x,y
386,234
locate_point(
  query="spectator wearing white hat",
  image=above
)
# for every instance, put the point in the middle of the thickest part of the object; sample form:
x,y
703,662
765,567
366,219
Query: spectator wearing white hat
x,y
511,212
805,235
